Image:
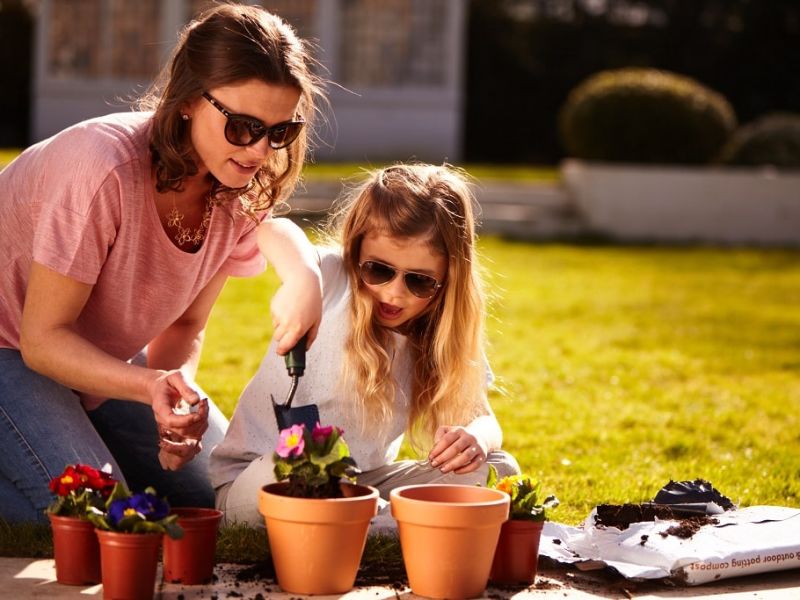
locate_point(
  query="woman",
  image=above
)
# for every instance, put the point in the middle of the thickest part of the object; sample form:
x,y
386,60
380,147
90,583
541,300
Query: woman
x,y
117,236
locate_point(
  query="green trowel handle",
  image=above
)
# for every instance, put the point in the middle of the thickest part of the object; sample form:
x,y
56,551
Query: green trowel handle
x,y
296,358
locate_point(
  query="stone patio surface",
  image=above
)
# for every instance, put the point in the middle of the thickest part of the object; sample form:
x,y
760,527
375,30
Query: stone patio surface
x,y
35,578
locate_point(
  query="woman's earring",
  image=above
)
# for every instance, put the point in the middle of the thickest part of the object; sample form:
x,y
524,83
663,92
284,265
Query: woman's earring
x,y
185,117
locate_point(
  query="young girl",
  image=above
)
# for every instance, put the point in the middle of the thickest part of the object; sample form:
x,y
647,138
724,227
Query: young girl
x,y
400,348
116,237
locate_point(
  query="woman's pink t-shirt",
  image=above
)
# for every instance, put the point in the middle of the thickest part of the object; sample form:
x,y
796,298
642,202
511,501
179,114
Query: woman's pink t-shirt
x,y
83,204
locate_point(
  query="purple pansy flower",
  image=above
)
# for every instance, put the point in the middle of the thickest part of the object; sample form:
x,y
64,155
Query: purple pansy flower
x,y
150,507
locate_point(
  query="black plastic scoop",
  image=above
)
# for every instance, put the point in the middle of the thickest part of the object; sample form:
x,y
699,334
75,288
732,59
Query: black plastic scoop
x,y
285,414
696,497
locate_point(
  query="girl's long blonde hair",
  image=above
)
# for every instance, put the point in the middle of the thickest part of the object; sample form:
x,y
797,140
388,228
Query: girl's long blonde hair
x,y
446,340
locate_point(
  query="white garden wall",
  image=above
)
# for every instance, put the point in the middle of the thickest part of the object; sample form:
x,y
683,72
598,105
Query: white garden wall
x,y
700,204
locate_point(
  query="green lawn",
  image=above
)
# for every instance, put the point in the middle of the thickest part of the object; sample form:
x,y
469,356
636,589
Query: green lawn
x,y
623,367
516,173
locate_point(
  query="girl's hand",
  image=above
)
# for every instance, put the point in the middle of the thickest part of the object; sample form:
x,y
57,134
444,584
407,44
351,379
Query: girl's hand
x,y
297,309
166,393
456,449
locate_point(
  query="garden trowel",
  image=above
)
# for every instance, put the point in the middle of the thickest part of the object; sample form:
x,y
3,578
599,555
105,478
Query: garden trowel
x,y
285,414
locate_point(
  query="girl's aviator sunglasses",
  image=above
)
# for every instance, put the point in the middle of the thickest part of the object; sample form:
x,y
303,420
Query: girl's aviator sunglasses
x,y
373,272
244,130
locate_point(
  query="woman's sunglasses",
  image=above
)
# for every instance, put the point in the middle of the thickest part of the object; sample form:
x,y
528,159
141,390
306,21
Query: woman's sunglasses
x,y
373,272
244,130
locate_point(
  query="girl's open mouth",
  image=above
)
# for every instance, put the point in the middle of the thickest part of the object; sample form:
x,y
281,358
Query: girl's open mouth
x,y
388,311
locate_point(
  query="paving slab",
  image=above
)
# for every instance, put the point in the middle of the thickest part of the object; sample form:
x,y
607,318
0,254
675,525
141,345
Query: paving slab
x,y
23,578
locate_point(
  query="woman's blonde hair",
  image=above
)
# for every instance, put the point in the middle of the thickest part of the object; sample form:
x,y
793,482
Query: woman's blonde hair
x,y
446,340
227,44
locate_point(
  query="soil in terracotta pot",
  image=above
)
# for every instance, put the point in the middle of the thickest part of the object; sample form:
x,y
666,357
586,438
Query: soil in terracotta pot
x,y
622,515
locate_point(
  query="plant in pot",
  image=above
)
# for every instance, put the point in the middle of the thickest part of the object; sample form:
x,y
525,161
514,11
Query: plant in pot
x,y
130,528
75,547
517,554
317,518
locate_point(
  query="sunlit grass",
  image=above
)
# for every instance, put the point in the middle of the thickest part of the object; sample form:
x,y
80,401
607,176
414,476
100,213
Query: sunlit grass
x,y
481,172
623,367
628,367
513,173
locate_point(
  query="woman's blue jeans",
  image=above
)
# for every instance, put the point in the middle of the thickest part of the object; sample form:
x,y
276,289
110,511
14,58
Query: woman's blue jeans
x,y
44,427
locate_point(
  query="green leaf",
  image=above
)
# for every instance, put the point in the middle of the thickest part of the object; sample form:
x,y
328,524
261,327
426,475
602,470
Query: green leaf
x,y
318,480
98,518
491,479
306,470
528,501
129,522
57,506
146,527
96,501
120,492
324,448
173,530
338,451
282,470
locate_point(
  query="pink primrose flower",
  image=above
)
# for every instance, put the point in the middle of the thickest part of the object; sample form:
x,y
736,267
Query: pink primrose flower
x,y
291,442
321,434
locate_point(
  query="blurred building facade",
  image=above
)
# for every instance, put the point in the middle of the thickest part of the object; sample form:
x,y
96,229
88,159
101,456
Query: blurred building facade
x,y
396,67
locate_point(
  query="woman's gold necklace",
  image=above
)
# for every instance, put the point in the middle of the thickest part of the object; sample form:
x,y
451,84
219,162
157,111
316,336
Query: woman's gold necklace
x,y
185,235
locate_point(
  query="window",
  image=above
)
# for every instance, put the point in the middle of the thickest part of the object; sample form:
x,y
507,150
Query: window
x,y
103,39
298,13
392,43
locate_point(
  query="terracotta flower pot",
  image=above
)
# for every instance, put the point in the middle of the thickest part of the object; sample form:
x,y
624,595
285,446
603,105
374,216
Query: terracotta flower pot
x,y
517,554
190,560
129,562
316,544
448,535
76,551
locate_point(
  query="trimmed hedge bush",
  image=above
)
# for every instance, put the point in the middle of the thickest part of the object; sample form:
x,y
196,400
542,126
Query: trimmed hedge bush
x,y
773,139
645,116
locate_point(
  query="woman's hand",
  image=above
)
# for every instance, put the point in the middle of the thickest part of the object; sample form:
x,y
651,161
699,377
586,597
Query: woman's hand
x,y
174,451
166,393
181,417
456,449
297,309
